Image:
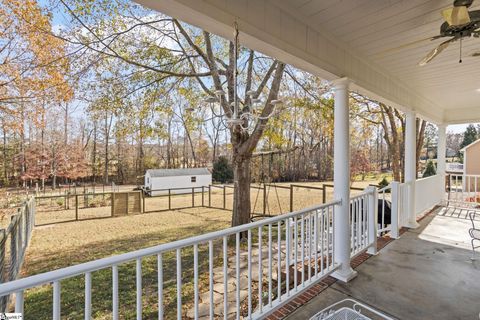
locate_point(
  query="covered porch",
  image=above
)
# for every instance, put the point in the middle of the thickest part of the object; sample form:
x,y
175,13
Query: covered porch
x,y
257,269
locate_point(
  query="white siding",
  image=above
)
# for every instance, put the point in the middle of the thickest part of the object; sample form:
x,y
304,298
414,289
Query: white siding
x,y
158,183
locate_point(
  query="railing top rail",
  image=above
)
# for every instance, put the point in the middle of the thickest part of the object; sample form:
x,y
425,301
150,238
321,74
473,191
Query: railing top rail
x,y
362,194
306,187
436,176
68,272
389,187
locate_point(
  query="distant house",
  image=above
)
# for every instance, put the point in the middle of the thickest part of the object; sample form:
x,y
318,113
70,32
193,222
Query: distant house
x,y
158,181
471,158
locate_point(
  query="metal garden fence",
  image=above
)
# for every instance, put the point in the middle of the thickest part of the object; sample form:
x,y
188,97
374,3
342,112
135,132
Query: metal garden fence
x,y
14,241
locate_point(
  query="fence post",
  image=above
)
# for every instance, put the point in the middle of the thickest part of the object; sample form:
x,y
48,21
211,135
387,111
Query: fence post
x,y
324,194
112,199
126,202
264,199
13,248
169,200
209,196
76,207
224,198
203,195
3,275
372,219
193,197
395,210
143,201
291,198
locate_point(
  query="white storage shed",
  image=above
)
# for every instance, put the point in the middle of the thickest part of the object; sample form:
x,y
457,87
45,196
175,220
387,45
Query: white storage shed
x,y
157,181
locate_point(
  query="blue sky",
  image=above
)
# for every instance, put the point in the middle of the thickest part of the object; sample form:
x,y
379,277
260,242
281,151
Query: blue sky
x,y
457,128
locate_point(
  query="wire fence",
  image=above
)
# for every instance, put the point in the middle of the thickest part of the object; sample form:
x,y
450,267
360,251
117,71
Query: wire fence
x,y
14,241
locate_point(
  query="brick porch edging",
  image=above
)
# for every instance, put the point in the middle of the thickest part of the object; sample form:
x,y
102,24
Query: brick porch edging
x,y
316,289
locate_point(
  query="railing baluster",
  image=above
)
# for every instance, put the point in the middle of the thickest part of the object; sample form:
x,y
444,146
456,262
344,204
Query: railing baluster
x,y
139,288
56,300
195,279
295,253
260,271
287,255
383,210
249,262
19,302
210,273
302,240
225,277
160,285
328,239
332,208
309,246
237,271
115,292
358,221
269,265
88,296
179,284
279,262
322,245
315,237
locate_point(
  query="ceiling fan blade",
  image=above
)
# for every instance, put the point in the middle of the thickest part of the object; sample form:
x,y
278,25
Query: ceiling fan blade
x,y
404,46
456,16
435,52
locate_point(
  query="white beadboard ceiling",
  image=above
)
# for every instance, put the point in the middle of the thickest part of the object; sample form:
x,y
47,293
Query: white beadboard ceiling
x,y
338,38
372,27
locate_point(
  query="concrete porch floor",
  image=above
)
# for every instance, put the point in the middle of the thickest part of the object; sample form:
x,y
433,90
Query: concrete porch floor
x,y
426,274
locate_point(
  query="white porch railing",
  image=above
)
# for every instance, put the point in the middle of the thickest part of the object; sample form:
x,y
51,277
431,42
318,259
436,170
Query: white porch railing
x,y
363,221
464,190
265,259
389,209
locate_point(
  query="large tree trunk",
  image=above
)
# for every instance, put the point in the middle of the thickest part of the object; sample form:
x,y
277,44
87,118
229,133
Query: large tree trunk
x,y
241,198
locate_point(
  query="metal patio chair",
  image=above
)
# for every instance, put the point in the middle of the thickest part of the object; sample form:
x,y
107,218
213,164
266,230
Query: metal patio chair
x,y
474,232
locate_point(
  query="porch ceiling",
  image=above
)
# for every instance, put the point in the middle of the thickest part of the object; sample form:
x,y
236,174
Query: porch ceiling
x,y
349,38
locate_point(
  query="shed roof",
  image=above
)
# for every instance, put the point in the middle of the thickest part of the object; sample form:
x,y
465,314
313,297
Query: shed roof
x,y
155,173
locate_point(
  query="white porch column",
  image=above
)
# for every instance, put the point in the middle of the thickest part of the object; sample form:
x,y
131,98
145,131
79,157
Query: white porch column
x,y
410,166
341,178
441,149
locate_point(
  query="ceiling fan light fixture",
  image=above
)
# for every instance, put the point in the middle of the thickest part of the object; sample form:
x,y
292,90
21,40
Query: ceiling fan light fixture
x,y
456,16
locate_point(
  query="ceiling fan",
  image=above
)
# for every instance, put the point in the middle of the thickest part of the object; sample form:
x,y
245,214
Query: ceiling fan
x,y
459,24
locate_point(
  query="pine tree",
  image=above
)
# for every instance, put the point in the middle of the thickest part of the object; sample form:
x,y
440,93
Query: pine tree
x,y
469,136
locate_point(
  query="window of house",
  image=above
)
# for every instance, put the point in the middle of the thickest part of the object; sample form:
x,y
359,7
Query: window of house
x,y
193,179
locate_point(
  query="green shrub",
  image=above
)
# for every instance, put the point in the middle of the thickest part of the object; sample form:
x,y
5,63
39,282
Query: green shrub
x,y
383,183
429,170
222,170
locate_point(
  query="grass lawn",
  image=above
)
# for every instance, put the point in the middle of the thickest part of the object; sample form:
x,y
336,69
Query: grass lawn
x,y
66,244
